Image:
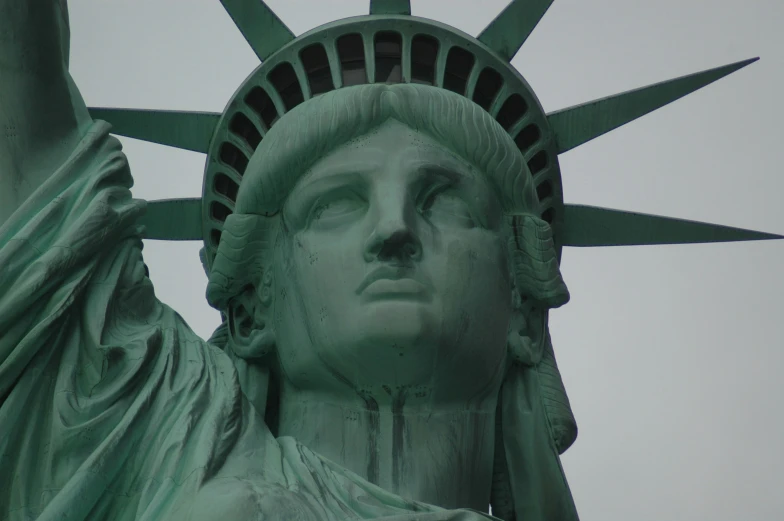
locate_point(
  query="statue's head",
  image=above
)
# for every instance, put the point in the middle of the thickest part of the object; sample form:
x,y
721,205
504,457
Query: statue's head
x,y
384,242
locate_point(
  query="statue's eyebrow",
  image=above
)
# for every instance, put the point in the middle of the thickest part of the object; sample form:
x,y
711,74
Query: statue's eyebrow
x,y
453,173
319,183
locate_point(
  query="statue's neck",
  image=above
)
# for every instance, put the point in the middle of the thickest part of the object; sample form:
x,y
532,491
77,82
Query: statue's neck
x,y
438,455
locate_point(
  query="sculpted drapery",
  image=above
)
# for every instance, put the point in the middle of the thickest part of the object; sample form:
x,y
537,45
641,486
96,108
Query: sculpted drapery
x,y
112,408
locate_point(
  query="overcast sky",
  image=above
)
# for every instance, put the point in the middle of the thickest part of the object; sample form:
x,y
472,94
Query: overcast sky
x,y
672,356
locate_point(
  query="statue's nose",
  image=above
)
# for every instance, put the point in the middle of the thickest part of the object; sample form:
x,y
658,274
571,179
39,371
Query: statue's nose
x,y
394,240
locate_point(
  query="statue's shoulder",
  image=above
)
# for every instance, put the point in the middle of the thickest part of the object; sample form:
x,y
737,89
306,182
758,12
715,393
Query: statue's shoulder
x,y
246,499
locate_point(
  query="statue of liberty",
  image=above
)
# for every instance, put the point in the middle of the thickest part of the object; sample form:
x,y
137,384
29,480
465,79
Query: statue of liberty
x,y
383,221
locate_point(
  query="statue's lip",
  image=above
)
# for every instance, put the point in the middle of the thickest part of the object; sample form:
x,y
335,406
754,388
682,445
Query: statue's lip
x,y
409,283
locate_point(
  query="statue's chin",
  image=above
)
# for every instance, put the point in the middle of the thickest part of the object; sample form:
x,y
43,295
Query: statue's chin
x,y
405,320
391,342
395,347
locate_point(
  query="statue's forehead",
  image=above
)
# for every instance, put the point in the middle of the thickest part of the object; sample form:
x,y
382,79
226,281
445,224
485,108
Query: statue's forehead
x,y
392,145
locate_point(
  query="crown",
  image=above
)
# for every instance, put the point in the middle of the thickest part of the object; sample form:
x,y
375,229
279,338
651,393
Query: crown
x,y
389,45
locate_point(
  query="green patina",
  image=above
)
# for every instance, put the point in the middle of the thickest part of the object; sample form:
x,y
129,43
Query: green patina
x,y
383,219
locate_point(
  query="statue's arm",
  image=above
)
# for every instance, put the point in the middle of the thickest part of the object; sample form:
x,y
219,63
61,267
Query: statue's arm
x,y
42,115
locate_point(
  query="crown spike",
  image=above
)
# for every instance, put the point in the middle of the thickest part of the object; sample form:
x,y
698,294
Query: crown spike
x,y
173,220
390,7
186,130
512,27
260,26
577,125
594,226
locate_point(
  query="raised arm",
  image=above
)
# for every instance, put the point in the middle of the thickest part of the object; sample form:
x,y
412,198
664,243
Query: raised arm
x,y
42,115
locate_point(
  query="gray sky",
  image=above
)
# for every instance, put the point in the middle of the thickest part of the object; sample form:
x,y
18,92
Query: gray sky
x,y
671,355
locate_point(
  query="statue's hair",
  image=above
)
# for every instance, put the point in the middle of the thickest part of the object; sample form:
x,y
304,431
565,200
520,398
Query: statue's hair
x,y
312,130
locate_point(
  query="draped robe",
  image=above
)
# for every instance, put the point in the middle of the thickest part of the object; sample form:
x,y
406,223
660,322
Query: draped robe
x,y
111,408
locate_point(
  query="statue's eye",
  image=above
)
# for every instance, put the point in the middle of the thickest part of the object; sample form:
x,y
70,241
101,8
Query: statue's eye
x,y
334,209
444,205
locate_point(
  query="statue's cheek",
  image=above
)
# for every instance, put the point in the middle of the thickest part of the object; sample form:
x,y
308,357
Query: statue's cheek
x,y
478,253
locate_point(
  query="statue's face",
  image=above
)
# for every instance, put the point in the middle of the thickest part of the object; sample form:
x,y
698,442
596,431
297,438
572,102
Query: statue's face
x,y
391,276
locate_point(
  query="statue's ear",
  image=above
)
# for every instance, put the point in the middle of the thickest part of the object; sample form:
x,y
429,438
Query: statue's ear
x,y
249,328
527,333
251,342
